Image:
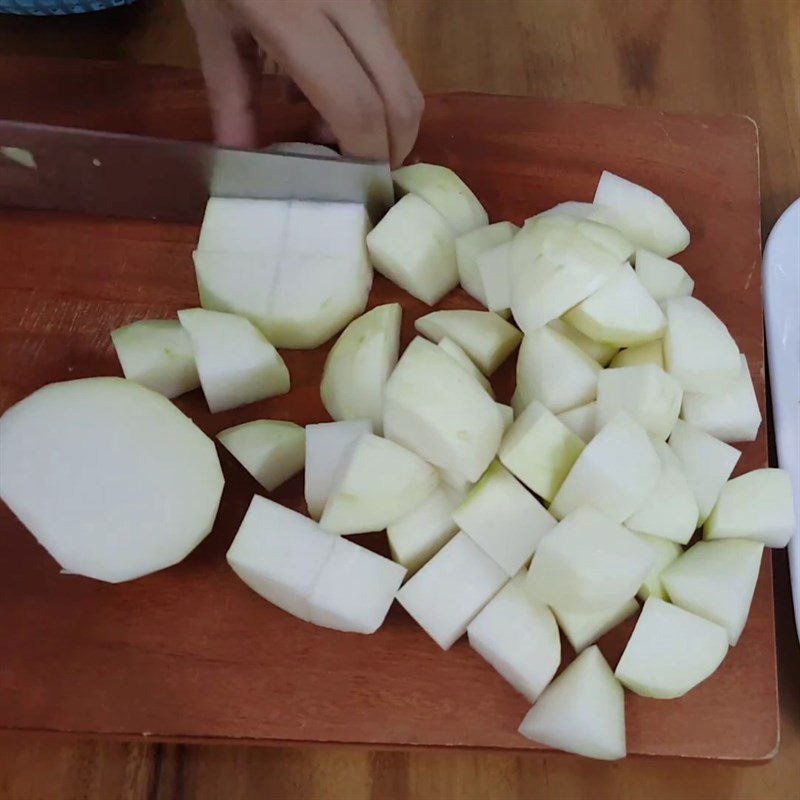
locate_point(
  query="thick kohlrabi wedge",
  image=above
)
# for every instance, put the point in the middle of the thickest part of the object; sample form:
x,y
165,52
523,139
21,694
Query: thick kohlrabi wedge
x,y
641,215
640,355
549,276
601,353
354,589
616,472
620,313
519,638
732,415
583,628
699,351
757,505
469,248
588,562
483,335
236,363
554,371
661,277
271,450
378,484
582,711
456,352
328,444
418,536
540,450
112,480
158,354
359,365
414,247
433,407
450,590
670,511
280,554
446,192
670,651
651,396
716,580
666,552
707,463
503,518
581,421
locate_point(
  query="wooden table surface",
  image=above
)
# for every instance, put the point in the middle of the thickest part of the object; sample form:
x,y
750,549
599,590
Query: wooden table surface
x,y
693,55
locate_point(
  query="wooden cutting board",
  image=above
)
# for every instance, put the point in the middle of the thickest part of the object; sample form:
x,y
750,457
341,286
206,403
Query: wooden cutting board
x,y
191,653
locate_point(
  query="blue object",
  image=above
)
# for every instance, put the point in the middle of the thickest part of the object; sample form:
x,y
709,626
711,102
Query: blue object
x,y
48,8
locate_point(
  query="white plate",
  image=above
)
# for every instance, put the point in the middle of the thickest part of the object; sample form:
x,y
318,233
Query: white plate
x,y
782,312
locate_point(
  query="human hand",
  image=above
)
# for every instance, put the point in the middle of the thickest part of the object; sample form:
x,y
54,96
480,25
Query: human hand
x,y
341,55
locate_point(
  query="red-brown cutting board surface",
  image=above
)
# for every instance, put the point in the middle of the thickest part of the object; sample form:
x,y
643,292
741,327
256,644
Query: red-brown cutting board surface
x,y
191,653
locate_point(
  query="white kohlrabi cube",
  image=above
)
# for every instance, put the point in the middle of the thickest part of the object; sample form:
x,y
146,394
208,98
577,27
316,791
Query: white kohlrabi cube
x,y
641,215
280,554
670,510
554,371
666,552
354,589
378,483
699,351
414,247
757,505
716,580
484,336
235,225
707,463
519,638
670,651
651,396
582,711
237,283
616,472
236,363
446,192
456,352
158,354
549,279
469,247
328,444
110,477
601,353
359,364
620,313
583,628
581,421
271,450
588,562
503,518
494,269
418,536
732,415
661,277
433,407
450,590
641,354
540,450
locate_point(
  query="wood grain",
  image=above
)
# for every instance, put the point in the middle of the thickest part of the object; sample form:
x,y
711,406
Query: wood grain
x,y
716,57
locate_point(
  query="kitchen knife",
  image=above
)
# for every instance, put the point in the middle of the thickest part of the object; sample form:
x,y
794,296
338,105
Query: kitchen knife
x,y
110,174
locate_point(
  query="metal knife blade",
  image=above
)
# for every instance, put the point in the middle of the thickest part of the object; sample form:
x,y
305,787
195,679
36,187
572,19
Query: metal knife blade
x,y
69,169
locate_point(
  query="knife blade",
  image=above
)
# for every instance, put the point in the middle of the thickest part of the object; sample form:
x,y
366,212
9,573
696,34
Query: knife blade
x,y
110,174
